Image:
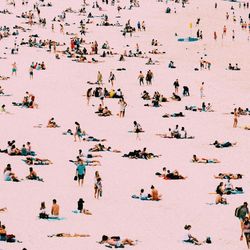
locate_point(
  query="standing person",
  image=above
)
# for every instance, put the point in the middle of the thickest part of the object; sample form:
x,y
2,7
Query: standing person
x,y
111,78
80,172
14,69
78,132
149,77
31,72
202,90
89,94
55,208
98,185
137,129
99,78
215,35
246,230
176,86
241,212
141,78
236,115
123,106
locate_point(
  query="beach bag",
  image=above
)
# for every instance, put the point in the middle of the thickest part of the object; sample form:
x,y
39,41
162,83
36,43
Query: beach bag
x,y
75,178
237,211
208,240
239,189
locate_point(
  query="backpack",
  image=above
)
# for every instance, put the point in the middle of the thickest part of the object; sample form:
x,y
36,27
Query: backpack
x,y
237,211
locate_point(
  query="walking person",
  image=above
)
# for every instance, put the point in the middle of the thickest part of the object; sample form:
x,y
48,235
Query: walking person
x,y
141,78
14,69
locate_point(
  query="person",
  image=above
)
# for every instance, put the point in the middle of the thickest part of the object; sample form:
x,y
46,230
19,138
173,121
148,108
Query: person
x,y
246,230
14,69
202,90
176,86
89,94
52,123
67,235
78,132
154,194
32,175
241,212
141,78
55,208
236,115
98,188
80,172
188,237
123,106
80,205
43,213
116,241
9,175
204,160
111,78
224,144
149,77
220,191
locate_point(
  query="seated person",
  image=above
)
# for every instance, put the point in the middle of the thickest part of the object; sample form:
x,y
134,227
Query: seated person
x,y
171,65
105,112
33,175
189,238
52,123
145,95
175,97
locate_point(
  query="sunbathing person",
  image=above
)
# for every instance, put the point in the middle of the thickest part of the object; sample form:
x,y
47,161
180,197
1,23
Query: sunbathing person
x,y
67,235
204,160
140,154
37,161
79,160
224,144
52,123
168,175
116,241
180,114
100,147
228,176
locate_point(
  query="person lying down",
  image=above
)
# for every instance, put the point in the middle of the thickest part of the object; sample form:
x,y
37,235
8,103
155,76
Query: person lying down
x,y
37,161
116,241
228,176
67,235
168,175
195,159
